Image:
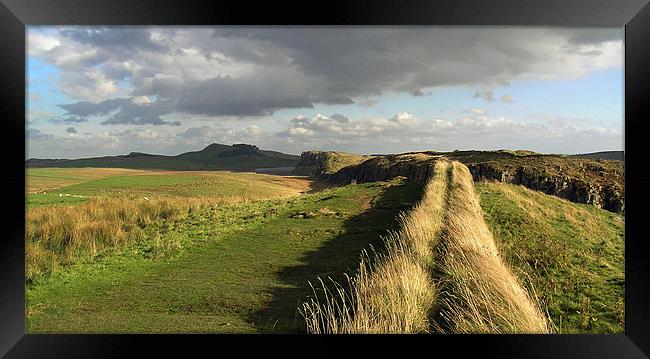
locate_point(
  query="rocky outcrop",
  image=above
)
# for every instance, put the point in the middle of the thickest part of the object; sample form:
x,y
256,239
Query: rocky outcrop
x,y
319,163
384,168
239,149
311,163
600,183
608,196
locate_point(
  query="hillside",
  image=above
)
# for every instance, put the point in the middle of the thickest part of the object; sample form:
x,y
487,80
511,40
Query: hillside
x,y
572,254
581,180
212,157
605,155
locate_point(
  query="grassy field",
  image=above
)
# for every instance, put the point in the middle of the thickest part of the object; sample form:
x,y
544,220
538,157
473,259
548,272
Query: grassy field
x,y
134,251
73,186
46,179
224,268
572,255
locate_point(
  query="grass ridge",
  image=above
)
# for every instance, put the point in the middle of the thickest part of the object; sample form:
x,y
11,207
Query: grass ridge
x,y
481,295
441,272
393,291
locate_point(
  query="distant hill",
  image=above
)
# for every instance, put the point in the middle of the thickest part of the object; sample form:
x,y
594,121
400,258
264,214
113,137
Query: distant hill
x,y
213,157
605,155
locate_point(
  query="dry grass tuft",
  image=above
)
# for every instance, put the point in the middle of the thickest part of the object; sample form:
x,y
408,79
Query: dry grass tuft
x,y
59,235
481,293
396,293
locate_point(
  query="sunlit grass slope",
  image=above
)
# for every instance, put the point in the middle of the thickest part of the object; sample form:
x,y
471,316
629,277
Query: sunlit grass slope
x,y
116,210
480,292
46,179
573,254
164,184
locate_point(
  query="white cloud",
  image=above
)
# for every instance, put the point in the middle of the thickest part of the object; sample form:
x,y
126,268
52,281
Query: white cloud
x,y
39,43
406,119
90,85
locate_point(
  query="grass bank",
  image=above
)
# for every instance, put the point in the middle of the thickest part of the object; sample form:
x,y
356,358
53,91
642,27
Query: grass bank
x,y
573,254
393,292
481,294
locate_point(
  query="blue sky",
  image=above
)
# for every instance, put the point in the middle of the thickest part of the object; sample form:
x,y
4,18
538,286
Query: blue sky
x,y
597,96
106,91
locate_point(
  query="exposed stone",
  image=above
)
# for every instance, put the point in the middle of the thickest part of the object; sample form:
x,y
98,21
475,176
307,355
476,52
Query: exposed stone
x,y
573,189
576,180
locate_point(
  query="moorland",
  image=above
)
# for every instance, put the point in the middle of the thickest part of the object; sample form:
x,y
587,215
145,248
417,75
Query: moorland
x,y
432,242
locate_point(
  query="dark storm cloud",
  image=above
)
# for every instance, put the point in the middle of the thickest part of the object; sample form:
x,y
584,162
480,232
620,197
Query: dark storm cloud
x,y
86,108
115,37
594,36
247,71
340,118
67,119
224,96
369,61
123,111
126,119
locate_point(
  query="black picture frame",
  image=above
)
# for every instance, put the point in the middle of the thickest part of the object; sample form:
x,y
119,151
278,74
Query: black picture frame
x,y
634,15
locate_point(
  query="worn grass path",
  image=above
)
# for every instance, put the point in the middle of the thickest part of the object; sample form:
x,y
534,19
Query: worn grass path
x,y
249,278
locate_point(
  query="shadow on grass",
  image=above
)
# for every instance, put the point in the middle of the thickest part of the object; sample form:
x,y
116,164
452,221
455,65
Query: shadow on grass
x,y
335,257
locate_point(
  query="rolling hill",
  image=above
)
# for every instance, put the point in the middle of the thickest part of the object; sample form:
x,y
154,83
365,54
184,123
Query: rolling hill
x,y
213,157
604,155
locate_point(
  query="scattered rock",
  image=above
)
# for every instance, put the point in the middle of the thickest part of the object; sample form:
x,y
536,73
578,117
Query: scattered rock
x,y
326,211
303,215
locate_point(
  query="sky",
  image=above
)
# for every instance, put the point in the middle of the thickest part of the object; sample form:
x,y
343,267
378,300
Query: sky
x,y
95,91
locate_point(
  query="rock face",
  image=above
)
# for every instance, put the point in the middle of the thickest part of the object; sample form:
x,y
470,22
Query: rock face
x,y
384,168
607,196
318,163
311,163
600,183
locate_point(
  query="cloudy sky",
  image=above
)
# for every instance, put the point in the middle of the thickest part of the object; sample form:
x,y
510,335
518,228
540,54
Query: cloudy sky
x,y
104,91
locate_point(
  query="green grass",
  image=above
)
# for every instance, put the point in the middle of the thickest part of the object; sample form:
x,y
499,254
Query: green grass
x,y
241,268
162,184
41,180
326,162
572,254
338,160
